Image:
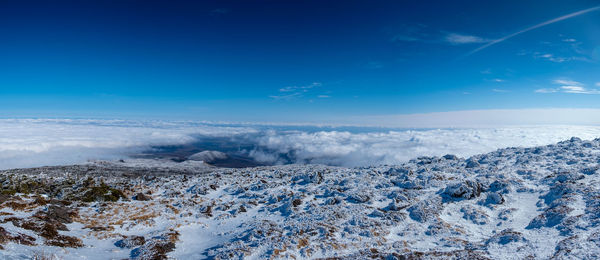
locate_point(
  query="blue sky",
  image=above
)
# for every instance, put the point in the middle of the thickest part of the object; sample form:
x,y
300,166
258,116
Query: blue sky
x,y
294,61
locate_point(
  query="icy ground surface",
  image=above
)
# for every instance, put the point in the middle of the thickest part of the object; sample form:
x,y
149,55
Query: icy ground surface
x,y
514,203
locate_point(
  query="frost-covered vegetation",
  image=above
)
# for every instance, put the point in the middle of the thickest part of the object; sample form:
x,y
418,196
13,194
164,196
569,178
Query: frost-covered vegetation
x,y
541,202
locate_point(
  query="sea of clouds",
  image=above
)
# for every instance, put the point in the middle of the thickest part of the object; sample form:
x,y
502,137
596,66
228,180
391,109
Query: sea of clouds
x,y
38,142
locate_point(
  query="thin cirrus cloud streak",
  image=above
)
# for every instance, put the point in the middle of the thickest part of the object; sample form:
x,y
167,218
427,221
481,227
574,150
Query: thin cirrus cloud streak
x,y
569,86
418,35
291,92
457,39
558,19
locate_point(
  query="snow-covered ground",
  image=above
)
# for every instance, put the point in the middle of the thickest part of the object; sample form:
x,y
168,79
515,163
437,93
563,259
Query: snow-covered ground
x,y
513,203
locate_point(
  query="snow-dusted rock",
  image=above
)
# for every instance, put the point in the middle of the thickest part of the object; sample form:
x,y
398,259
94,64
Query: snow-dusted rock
x,y
467,189
474,215
506,236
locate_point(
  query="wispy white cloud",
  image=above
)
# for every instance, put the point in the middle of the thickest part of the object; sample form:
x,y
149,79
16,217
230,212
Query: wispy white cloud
x,y
500,90
551,21
564,50
323,96
579,90
286,89
290,92
551,57
565,55
546,90
486,71
494,80
567,82
287,96
421,33
575,89
457,39
569,86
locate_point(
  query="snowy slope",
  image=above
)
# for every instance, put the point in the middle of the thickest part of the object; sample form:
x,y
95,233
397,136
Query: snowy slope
x,y
513,203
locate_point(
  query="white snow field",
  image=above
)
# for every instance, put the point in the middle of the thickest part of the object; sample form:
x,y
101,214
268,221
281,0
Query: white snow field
x,y
513,203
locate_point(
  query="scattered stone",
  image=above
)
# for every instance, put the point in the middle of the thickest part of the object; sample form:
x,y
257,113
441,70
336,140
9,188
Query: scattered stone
x,y
142,197
451,157
472,164
153,249
130,242
506,236
296,202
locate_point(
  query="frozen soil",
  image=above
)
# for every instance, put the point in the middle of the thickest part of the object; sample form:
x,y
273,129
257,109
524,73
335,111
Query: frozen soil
x,y
514,203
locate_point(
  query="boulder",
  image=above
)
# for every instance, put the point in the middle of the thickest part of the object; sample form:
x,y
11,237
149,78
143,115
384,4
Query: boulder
x,y
463,190
142,197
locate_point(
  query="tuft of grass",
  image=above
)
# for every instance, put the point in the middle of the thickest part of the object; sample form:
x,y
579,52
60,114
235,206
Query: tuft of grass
x,y
102,193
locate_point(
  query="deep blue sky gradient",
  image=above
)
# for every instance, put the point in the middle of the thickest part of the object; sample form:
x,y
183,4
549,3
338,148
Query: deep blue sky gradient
x,y
291,60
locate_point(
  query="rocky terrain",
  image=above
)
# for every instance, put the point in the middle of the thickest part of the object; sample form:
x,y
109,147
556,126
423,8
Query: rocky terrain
x,y
514,203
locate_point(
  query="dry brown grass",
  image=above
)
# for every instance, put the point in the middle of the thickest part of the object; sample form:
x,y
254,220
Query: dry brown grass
x,y
173,236
102,224
302,243
16,205
175,210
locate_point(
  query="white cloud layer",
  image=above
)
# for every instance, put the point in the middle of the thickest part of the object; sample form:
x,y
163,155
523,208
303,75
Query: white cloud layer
x,y
29,143
392,147
37,142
